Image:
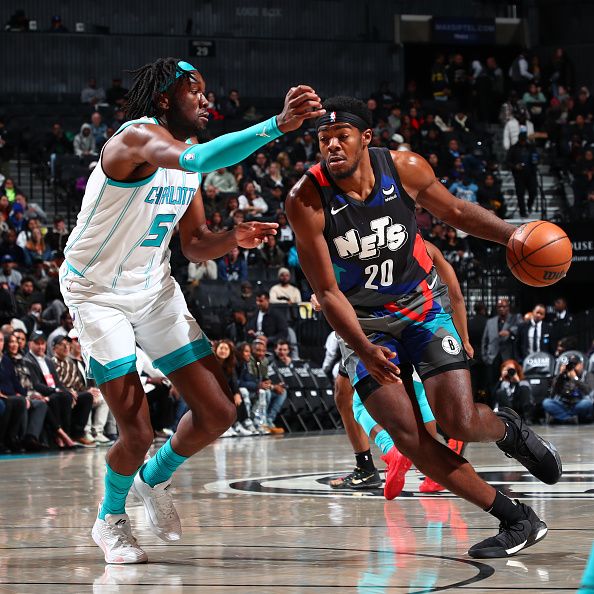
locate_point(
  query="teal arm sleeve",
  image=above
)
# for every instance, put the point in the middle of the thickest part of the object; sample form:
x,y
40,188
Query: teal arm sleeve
x,y
228,149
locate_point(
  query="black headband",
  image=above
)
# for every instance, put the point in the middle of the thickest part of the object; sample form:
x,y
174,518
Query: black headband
x,y
344,117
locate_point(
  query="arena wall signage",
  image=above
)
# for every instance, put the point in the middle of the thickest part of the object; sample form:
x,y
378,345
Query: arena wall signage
x,y
463,31
201,48
582,241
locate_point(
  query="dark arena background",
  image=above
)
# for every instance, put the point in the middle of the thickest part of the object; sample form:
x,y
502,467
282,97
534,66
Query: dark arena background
x,y
496,95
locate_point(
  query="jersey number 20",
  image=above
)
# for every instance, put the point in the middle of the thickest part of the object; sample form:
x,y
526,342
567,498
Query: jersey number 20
x,y
386,275
158,230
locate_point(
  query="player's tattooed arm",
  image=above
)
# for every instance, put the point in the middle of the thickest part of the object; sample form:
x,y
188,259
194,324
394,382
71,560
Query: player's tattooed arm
x,y
420,182
306,217
199,243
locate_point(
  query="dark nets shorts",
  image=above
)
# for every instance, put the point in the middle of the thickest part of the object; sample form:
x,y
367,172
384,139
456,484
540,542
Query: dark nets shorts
x,y
419,329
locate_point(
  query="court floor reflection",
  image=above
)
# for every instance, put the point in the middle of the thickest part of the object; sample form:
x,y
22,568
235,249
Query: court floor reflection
x,y
287,533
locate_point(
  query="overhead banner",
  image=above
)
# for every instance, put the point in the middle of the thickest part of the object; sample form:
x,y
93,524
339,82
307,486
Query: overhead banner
x,y
454,31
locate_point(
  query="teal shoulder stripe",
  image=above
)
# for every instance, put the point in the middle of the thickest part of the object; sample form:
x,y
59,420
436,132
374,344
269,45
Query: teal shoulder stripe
x,y
137,121
113,230
133,184
69,247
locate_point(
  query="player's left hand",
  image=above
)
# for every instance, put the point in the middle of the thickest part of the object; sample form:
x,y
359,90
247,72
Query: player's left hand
x,y
252,234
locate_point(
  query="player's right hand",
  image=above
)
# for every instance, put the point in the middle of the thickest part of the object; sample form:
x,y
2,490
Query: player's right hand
x,y
301,103
377,361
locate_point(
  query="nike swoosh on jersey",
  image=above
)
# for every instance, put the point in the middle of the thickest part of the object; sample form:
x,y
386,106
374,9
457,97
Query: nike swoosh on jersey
x,y
337,210
430,287
389,191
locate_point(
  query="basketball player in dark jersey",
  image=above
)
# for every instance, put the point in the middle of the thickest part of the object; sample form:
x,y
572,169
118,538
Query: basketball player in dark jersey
x,y
358,244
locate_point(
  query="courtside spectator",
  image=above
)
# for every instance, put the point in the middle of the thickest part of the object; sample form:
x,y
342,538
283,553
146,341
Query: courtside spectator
x,y
570,400
92,94
267,324
513,391
284,291
498,342
222,179
29,433
534,335
71,409
62,330
232,267
100,412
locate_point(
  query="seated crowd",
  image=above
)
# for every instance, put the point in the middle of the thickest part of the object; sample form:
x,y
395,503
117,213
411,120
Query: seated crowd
x,y
517,356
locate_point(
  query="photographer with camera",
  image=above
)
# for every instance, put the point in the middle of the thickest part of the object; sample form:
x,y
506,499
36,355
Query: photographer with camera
x,y
514,391
571,402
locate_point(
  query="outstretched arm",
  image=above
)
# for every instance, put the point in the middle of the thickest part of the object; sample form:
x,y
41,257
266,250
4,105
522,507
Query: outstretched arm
x,y
306,216
448,276
154,145
419,180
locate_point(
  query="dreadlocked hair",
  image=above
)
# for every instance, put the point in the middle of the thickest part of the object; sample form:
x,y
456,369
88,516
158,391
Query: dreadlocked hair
x,y
150,81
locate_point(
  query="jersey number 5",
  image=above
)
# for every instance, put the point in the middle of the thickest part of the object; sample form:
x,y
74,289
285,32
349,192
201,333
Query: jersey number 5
x,y
158,230
386,270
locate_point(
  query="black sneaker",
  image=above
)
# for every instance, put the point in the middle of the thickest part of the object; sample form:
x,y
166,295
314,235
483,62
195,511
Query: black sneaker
x,y
539,456
512,538
358,479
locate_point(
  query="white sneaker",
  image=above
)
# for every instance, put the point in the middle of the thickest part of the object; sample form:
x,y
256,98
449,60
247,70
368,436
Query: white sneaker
x,y
114,537
241,430
159,510
101,440
249,425
230,433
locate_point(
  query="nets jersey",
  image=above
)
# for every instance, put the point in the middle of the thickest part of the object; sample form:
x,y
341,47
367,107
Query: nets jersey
x,y
377,253
123,229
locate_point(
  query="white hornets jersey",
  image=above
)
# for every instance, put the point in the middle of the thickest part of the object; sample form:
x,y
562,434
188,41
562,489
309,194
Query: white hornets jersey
x,y
123,229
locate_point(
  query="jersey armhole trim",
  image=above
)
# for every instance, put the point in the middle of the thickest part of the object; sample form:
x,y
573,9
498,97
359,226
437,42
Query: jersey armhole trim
x,y
392,166
138,182
132,184
317,186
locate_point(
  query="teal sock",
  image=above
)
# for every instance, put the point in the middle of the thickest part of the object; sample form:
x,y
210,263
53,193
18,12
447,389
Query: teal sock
x,y
161,466
383,441
588,578
116,491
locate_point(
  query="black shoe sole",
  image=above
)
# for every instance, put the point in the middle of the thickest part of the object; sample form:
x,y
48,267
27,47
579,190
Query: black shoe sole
x,y
550,468
539,531
367,485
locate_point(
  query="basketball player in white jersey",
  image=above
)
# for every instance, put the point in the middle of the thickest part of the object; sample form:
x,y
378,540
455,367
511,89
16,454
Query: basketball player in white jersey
x,y
117,283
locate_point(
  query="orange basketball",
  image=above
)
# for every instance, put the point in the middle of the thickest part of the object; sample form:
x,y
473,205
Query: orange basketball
x,y
539,253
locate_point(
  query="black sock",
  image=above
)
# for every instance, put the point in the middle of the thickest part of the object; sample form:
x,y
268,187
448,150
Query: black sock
x,y
504,509
510,435
365,461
